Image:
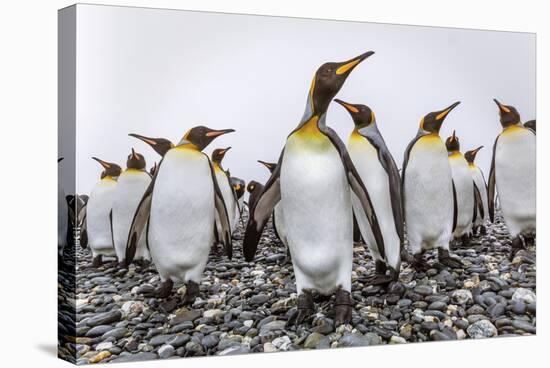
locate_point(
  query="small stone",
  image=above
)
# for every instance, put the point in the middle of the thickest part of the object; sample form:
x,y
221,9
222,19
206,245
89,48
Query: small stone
x,y
269,348
99,357
166,351
353,339
312,340
212,313
209,341
462,296
482,329
282,343
235,350
104,318
524,295
397,340
424,290
258,299
104,346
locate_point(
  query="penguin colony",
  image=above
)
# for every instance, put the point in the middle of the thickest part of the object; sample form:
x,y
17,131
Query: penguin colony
x,y
187,203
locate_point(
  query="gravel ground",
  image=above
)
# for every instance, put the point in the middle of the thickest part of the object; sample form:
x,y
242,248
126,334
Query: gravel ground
x,y
244,306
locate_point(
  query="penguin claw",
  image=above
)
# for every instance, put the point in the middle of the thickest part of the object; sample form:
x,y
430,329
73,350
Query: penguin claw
x,y
342,315
298,317
451,262
377,280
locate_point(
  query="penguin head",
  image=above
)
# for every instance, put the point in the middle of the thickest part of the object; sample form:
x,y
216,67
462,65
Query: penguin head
x,y
238,185
362,115
508,114
471,154
452,143
218,154
271,166
153,169
135,161
432,122
328,80
110,169
160,145
531,124
200,136
251,186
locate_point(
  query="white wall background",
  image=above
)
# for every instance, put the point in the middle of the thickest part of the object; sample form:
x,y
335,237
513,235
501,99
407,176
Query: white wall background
x,y
160,72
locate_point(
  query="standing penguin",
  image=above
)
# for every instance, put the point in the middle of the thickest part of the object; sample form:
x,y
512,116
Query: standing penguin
x,y
229,195
428,193
178,210
239,186
254,190
481,210
278,220
379,173
464,191
99,215
131,185
312,182
513,177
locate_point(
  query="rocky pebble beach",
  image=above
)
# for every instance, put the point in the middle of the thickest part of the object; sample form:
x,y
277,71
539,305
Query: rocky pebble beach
x,y
243,306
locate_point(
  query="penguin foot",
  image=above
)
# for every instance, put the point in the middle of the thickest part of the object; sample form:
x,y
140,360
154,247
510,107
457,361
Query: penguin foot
x,y
465,240
123,264
419,264
303,311
191,293
529,239
342,308
162,292
446,260
482,230
518,243
97,261
377,280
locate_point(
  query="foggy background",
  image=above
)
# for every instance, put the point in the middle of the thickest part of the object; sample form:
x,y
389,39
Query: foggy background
x,y
161,72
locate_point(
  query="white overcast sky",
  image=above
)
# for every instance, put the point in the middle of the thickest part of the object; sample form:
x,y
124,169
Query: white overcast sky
x,y
160,72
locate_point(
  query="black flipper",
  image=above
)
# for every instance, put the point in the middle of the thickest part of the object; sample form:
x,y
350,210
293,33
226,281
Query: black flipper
x,y
491,186
261,209
478,203
83,229
357,187
111,223
222,213
455,207
394,181
141,219
356,231
406,161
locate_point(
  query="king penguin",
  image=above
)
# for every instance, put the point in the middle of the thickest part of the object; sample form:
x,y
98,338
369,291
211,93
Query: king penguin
x,y
99,215
513,177
239,186
531,124
379,173
464,191
278,220
312,182
481,211
229,195
254,190
178,210
131,185
428,193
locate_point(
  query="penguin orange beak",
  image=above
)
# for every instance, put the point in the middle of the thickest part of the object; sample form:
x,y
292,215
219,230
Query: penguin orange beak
x,y
348,66
350,107
217,133
443,113
106,165
502,108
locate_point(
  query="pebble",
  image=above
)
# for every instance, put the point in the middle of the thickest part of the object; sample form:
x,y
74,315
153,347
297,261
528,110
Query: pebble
x,y
482,329
524,295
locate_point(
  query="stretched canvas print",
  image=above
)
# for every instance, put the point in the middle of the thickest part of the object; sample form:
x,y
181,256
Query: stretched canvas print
x,y
238,184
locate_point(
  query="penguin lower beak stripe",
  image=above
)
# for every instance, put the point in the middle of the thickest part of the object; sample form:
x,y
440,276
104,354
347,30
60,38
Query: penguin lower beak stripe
x,y
102,163
445,112
217,133
501,106
349,65
347,106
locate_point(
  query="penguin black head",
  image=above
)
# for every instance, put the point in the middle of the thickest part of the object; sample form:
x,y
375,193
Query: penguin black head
x,y
531,124
362,115
238,186
251,186
160,145
201,136
218,154
271,166
452,143
111,169
153,169
328,80
432,122
471,154
135,161
508,114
